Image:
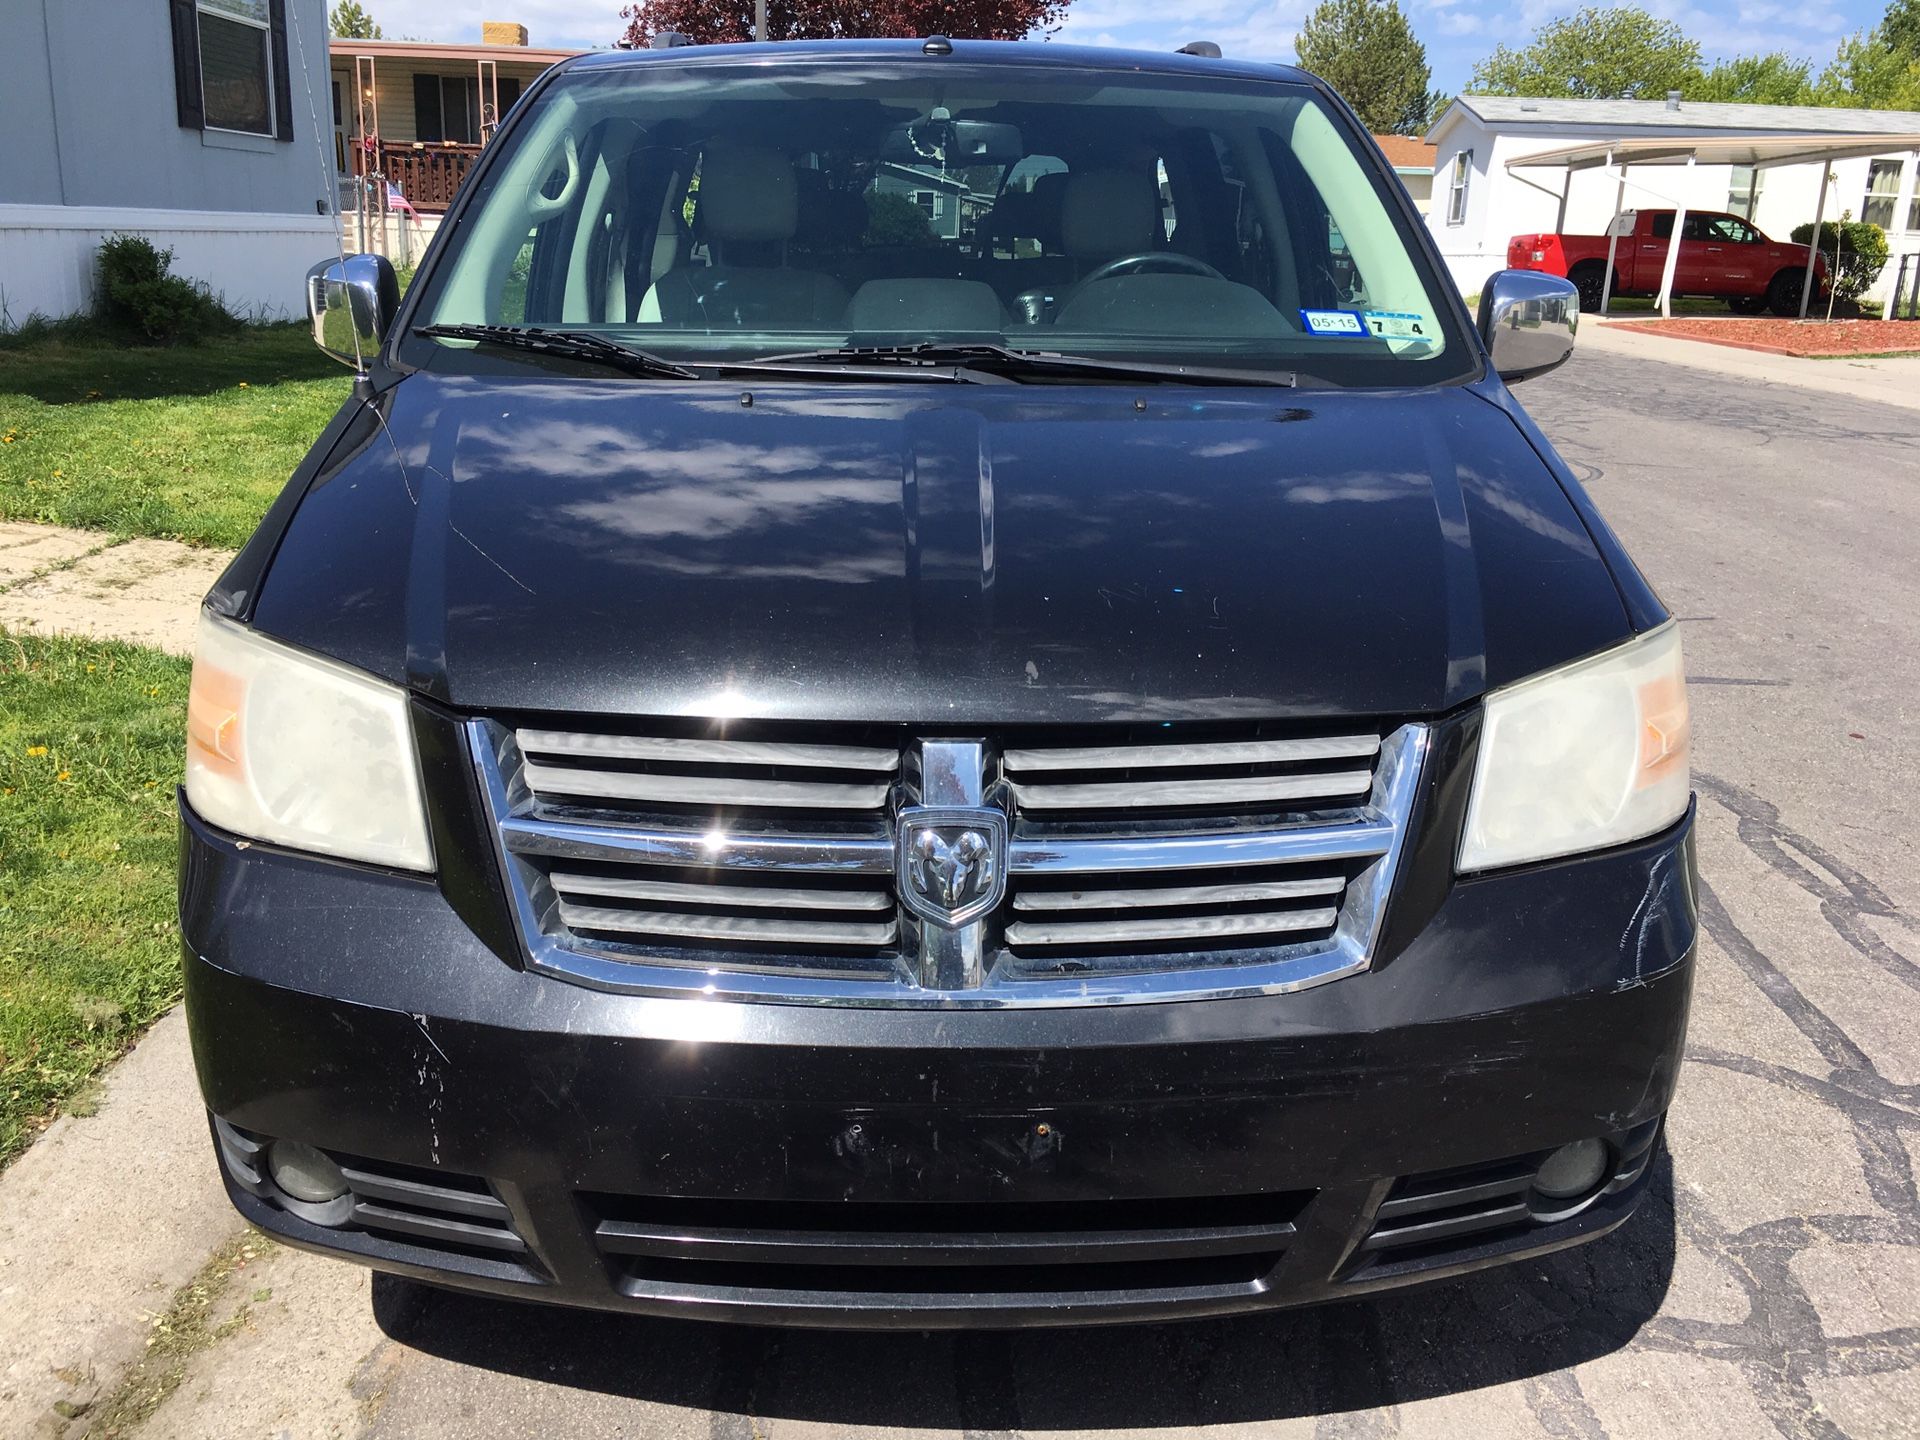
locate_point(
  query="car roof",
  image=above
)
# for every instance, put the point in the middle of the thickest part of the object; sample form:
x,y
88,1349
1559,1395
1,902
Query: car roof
x,y
1026,53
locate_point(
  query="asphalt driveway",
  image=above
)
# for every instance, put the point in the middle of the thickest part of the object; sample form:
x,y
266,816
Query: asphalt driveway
x,y
1770,1284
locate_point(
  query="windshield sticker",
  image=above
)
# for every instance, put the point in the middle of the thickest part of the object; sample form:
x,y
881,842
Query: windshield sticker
x,y
1400,325
1332,322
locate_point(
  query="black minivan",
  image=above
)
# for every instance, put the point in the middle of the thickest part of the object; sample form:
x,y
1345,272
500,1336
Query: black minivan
x,y
935,683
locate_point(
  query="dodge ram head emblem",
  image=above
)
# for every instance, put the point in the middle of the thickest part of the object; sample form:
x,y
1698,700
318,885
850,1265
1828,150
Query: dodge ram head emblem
x,y
951,862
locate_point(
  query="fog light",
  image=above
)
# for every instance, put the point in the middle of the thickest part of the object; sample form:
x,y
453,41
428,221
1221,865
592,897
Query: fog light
x,y
1572,1170
304,1173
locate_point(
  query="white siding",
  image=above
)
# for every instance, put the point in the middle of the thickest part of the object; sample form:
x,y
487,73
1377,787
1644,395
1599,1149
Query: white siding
x,y
256,263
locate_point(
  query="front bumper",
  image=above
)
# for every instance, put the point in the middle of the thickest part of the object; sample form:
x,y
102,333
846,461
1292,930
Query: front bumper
x,y
789,1164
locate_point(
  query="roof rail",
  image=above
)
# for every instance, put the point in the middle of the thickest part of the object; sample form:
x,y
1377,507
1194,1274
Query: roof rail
x,y
668,40
1205,49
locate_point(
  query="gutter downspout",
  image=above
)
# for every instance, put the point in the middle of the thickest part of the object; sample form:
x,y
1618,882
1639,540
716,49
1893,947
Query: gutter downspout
x,y
1902,205
1813,247
1613,234
1673,249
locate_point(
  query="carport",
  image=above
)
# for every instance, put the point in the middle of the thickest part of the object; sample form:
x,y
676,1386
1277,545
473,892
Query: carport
x,y
1760,149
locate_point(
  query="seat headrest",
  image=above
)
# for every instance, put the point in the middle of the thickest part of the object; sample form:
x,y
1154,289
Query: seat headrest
x,y
747,193
1105,213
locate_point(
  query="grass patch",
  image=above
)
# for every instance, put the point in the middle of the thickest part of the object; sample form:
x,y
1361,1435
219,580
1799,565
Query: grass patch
x,y
90,750
187,442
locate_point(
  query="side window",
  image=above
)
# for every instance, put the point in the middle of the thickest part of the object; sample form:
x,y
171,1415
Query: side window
x,y
1663,226
1698,227
1458,177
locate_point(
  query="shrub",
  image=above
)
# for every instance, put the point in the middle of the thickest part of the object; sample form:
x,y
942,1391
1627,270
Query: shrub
x,y
139,291
1863,253
896,220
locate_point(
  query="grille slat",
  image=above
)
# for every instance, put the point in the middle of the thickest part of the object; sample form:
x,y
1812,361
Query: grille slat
x,y
862,854
744,896
715,752
1174,896
727,927
1240,752
1175,927
716,790
1172,794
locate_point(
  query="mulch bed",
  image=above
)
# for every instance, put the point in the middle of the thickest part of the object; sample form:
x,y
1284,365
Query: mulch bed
x,y
1791,337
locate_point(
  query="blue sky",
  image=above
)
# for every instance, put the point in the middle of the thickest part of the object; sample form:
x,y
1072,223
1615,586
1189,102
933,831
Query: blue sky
x,y
1456,32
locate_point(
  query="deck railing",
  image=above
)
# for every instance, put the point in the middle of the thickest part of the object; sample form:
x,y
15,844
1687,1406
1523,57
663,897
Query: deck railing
x,y
428,174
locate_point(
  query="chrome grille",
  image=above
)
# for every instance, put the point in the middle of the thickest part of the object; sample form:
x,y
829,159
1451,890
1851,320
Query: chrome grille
x,y
764,867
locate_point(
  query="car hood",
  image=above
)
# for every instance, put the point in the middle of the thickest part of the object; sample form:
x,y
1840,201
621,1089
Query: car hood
x,y
931,553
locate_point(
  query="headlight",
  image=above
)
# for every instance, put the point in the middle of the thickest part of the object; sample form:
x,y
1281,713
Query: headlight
x,y
299,751
1586,756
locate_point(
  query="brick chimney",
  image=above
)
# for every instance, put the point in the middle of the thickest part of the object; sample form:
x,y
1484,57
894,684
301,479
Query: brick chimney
x,y
502,32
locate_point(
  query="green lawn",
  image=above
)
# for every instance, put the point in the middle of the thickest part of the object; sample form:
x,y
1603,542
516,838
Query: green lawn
x,y
189,442
90,750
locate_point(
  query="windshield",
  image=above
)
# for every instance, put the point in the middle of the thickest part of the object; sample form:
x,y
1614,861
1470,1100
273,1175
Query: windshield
x,y
724,211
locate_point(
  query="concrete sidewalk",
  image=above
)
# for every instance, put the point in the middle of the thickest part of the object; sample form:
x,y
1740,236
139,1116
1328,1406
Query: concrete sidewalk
x,y
1887,382
82,582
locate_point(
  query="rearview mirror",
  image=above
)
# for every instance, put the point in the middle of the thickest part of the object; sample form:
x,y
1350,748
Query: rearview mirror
x,y
351,303
1527,319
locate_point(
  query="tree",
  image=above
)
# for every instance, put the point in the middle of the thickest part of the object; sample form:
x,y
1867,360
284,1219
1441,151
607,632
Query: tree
x,y
711,21
1870,73
350,21
1772,79
1622,53
1901,28
896,220
1365,49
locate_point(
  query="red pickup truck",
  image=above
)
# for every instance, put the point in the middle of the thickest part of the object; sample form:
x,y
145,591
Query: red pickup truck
x,y
1720,255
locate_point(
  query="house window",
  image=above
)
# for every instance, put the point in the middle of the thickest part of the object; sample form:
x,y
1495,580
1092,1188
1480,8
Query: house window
x,y
1457,187
446,107
930,202
230,66
236,65
1743,189
1883,193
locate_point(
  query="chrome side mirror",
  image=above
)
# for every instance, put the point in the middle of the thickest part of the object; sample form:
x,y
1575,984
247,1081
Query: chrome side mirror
x,y
1528,319
351,303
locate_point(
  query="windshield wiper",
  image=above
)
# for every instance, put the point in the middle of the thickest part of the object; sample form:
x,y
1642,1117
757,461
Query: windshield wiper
x,y
1015,364
570,344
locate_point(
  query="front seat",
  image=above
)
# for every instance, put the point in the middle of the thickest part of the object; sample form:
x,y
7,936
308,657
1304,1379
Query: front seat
x,y
749,208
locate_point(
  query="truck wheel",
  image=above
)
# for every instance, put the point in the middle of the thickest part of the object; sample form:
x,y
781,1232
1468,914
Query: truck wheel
x,y
1591,282
1752,304
1783,293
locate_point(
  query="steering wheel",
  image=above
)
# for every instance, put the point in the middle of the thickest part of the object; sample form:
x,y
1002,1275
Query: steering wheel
x,y
1146,260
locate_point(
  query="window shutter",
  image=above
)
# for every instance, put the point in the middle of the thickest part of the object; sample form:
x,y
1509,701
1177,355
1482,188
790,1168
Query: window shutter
x,y
282,73
426,108
186,65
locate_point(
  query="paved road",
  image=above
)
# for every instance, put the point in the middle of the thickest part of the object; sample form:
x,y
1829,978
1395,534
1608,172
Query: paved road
x,y
1771,1284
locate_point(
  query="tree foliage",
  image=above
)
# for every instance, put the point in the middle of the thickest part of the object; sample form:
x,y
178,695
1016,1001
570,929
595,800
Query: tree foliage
x,y
1772,79
350,21
1901,28
895,220
1870,72
1622,53
1366,50
713,21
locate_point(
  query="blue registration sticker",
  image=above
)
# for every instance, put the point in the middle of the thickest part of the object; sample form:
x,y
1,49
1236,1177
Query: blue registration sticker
x,y
1333,322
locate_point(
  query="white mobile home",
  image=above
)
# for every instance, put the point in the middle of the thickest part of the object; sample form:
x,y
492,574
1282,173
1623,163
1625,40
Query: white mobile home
x,y
1483,194
191,122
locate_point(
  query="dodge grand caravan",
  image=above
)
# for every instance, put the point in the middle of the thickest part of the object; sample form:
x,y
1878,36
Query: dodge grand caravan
x,y
935,683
